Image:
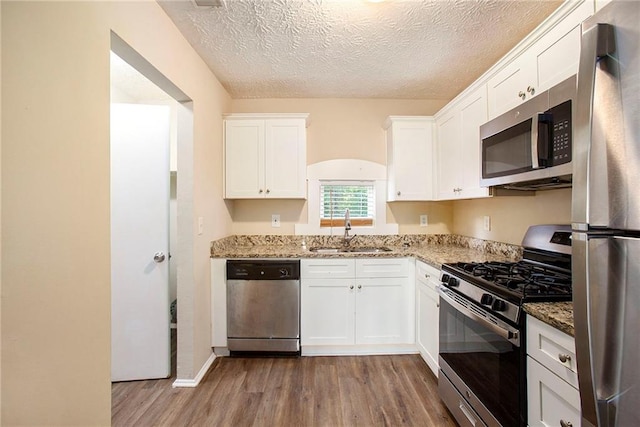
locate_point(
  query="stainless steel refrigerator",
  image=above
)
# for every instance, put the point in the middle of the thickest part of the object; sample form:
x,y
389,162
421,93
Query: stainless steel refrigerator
x,y
606,217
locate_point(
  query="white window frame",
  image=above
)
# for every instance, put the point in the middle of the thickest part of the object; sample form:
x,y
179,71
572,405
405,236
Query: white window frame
x,y
352,183
346,170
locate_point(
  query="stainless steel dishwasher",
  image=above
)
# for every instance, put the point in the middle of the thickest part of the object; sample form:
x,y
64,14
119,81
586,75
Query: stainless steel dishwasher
x,y
263,306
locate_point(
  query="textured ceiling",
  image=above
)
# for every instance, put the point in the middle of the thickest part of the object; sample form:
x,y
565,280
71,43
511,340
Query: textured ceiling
x,y
429,49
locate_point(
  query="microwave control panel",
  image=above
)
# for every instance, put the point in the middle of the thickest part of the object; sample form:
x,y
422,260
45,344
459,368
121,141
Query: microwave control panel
x,y
561,134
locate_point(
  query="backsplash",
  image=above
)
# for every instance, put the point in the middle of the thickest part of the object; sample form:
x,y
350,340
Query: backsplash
x,y
410,240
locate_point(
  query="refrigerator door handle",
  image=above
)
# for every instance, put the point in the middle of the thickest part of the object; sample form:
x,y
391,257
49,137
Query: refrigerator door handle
x,y
597,42
579,242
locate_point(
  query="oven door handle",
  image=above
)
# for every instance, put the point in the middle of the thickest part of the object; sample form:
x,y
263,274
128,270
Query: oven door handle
x,y
510,335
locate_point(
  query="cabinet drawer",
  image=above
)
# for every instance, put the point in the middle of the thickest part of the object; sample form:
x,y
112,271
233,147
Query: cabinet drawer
x,y
550,347
382,267
551,400
427,274
335,268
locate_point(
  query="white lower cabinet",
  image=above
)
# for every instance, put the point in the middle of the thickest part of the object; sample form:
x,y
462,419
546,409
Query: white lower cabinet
x,y
372,305
327,311
552,388
552,401
427,313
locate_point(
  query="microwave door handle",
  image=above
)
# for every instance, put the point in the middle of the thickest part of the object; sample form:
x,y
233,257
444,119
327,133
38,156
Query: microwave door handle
x,y
535,159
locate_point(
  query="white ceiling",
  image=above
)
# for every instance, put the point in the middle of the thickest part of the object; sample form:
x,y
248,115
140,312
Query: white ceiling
x,y
429,49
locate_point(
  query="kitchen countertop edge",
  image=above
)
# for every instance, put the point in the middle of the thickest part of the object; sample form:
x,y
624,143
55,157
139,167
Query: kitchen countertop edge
x,y
556,314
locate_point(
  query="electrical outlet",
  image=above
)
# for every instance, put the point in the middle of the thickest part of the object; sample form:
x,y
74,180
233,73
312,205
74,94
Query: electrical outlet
x,y
487,223
200,225
275,221
424,220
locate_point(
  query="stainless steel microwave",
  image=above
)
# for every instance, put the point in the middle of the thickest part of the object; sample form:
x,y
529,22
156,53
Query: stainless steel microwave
x,y
529,147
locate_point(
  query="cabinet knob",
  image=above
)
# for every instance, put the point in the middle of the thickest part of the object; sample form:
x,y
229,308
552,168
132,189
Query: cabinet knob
x,y
359,286
399,193
564,423
426,276
522,95
260,191
351,287
531,90
564,357
268,191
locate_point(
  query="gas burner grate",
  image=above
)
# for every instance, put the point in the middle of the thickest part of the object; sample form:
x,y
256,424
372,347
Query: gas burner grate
x,y
523,278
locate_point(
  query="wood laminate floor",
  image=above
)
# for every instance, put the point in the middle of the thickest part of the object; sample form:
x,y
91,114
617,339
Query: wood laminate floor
x,y
305,391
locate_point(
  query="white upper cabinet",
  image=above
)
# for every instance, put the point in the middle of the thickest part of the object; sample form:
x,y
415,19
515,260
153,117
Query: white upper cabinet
x,y
458,148
409,158
551,56
265,156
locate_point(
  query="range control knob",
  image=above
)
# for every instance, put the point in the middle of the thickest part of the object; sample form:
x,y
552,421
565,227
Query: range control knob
x,y
499,305
453,282
486,299
284,272
445,278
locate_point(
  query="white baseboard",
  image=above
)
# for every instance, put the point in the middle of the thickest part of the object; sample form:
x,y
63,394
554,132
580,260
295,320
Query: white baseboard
x,y
194,382
358,350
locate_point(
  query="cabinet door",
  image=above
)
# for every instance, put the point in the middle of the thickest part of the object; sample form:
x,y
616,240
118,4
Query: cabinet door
x,y
427,313
448,182
285,158
473,114
383,314
512,85
428,310
244,159
557,53
327,312
410,159
550,400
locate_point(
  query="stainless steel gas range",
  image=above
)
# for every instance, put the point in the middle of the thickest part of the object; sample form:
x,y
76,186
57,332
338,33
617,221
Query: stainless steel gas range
x,y
482,347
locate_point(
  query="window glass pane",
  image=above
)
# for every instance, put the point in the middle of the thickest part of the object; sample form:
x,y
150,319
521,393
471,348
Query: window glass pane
x,y
358,197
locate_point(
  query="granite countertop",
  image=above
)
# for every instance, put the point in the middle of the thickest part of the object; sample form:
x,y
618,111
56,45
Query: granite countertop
x,y
434,249
431,249
557,314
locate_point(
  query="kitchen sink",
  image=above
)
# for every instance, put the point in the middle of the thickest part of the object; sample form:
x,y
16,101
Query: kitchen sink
x,y
364,249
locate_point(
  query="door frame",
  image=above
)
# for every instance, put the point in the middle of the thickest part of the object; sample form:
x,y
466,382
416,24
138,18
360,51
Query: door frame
x,y
184,199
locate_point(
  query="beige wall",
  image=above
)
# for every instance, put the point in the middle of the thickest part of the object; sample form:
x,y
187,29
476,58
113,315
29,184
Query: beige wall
x,y
339,129
511,215
0,215
407,215
55,199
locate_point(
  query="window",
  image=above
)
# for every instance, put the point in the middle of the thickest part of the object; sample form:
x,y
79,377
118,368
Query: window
x,y
337,197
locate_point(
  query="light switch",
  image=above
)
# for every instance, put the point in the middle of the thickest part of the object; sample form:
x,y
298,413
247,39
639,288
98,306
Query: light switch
x,y
200,225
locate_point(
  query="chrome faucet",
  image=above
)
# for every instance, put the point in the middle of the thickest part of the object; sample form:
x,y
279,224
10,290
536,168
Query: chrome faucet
x,y
347,227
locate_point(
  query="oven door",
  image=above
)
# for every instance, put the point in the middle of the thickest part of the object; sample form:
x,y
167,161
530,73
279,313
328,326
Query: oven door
x,y
480,359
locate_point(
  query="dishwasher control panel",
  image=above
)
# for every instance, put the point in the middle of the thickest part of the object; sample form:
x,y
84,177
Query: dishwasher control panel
x,y
263,270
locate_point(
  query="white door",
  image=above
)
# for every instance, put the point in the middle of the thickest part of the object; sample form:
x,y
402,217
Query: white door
x,y
140,329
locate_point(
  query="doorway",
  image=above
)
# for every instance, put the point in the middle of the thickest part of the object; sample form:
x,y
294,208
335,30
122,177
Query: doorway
x,y
135,81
